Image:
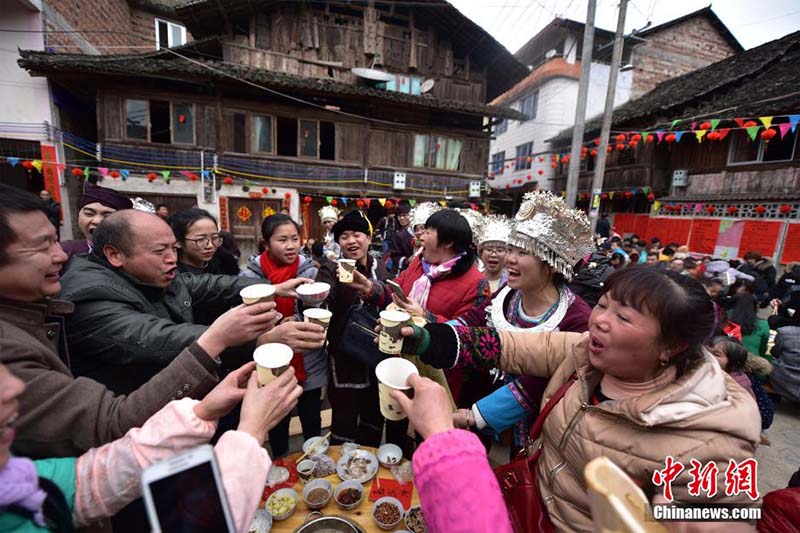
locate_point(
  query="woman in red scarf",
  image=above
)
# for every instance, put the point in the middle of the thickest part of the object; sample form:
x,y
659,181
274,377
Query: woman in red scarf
x,y
282,261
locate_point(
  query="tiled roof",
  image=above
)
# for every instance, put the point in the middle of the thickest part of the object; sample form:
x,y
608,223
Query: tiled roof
x,y
165,64
758,82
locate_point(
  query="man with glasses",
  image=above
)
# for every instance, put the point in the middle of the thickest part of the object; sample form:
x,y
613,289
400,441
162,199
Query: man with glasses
x,y
133,309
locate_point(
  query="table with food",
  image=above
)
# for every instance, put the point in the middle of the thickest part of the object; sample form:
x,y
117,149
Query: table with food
x,y
346,488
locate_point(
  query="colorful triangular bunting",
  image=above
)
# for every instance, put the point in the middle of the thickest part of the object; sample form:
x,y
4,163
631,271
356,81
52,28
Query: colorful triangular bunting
x,y
678,135
125,173
714,123
793,120
700,134
752,131
13,161
784,128
766,121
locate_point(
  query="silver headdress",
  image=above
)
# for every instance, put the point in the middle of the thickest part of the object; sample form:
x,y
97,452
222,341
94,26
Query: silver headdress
x,y
495,229
328,212
555,233
422,212
475,221
140,204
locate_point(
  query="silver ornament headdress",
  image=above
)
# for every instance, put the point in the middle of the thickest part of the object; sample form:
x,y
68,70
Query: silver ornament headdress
x,y
555,233
140,204
475,221
328,212
422,212
495,229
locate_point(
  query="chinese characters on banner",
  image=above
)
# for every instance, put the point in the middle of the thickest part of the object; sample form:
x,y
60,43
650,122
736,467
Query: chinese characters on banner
x,y
760,236
704,235
791,247
740,478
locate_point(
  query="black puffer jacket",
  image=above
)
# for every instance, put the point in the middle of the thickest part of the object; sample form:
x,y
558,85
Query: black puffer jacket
x,y
588,281
123,332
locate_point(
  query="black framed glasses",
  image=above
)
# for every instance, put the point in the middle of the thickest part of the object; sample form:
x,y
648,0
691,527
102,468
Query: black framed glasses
x,y
498,251
202,242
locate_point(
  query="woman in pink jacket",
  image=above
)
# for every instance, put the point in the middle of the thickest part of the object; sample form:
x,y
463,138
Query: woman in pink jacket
x,y
57,494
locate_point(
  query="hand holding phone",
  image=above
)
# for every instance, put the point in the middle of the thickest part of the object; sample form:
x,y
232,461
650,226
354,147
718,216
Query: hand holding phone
x,y
397,289
264,407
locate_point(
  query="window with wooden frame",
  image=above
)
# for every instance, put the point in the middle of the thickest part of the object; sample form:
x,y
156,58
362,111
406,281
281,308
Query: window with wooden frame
x,y
262,134
317,139
437,151
743,151
159,121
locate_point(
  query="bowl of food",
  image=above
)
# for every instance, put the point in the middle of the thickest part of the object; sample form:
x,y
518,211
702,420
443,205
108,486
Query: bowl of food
x,y
358,465
262,522
313,294
390,455
349,494
316,446
415,520
317,493
282,503
387,512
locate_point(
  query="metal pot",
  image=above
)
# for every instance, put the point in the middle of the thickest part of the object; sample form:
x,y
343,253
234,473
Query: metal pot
x,y
316,522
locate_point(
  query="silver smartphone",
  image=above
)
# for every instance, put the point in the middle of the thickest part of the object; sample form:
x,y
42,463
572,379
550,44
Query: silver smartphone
x,y
185,493
397,289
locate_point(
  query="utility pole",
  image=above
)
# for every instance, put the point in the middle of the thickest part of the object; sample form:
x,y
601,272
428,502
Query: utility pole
x,y
580,110
600,163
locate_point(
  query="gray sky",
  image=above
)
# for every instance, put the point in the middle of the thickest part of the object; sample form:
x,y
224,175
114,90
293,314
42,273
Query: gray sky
x,y
513,22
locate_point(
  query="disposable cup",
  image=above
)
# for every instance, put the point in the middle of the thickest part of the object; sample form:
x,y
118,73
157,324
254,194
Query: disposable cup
x,y
305,469
390,341
261,292
272,359
346,269
392,375
315,315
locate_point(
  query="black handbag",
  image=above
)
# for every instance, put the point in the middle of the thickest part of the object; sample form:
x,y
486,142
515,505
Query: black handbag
x,y
358,337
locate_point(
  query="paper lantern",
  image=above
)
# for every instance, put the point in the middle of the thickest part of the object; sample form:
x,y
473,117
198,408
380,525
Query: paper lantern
x,y
228,180
27,164
670,138
620,147
508,185
307,200
360,203
540,171
620,138
541,159
651,197
677,207
713,136
334,202
628,194
593,153
598,141
636,138
768,134
114,174
609,149
389,204
785,208
152,177
649,139
733,209
750,124
604,196
633,144
554,165
705,126
77,172
710,209
193,176
288,195
529,177
760,209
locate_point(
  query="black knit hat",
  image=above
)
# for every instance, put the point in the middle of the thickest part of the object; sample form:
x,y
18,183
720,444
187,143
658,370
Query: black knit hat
x,y
352,221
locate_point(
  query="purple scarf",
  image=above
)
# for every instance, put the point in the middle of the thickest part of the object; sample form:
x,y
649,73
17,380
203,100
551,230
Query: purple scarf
x,y
422,286
19,485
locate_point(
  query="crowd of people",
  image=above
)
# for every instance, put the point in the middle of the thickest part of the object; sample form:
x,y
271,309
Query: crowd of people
x,y
131,344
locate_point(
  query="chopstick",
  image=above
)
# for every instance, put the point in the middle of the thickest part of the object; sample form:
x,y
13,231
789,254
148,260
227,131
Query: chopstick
x,y
313,448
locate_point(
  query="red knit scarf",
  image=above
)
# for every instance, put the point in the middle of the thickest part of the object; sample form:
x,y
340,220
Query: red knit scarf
x,y
277,274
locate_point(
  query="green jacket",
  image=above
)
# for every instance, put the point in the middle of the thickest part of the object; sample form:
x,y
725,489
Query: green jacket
x,y
123,331
756,341
59,471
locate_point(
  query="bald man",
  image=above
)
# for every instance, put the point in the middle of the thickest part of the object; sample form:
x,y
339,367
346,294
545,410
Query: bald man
x,y
133,309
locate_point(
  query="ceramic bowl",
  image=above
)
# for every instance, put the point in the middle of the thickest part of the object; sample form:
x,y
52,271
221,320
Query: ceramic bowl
x,y
318,484
391,501
349,485
313,294
279,493
390,455
416,510
321,448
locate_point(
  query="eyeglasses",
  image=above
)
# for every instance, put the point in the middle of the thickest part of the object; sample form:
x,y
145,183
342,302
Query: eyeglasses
x,y
495,251
202,242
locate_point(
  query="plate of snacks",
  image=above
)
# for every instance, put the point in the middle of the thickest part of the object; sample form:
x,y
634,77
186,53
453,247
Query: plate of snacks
x,y
359,465
415,520
387,512
282,503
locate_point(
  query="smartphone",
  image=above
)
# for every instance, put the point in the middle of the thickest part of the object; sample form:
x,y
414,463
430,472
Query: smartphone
x,y
397,289
185,493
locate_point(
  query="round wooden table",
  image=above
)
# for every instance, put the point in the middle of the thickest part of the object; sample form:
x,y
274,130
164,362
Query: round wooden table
x,y
361,514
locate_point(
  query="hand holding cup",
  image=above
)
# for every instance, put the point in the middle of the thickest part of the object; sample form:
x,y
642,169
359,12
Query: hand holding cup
x,y
237,326
429,410
264,407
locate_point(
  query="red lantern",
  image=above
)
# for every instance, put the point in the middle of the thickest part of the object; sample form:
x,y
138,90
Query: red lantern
x,y
620,138
529,177
668,207
785,208
192,176
651,197
628,194
307,200
705,126
508,185
540,171
598,141
593,153
389,204
723,133
565,159
228,180
287,195
649,139
334,202
760,209
152,177
604,196
750,124
77,172
114,174
554,165
360,203
713,136
636,138
633,144
733,209
620,147
609,149
677,207
27,164
768,134
541,159
670,138
710,209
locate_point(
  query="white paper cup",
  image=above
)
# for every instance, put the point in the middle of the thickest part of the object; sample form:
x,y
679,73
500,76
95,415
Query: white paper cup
x,y
272,359
390,341
392,375
261,292
346,269
315,315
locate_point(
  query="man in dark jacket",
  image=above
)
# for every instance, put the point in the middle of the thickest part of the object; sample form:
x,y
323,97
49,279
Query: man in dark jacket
x,y
133,310
402,246
60,415
52,209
